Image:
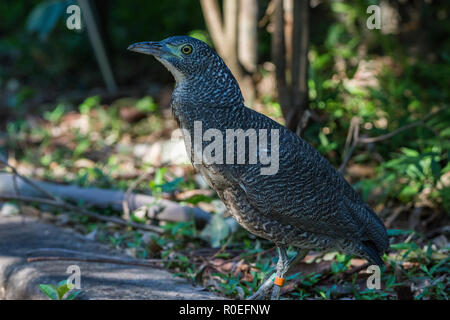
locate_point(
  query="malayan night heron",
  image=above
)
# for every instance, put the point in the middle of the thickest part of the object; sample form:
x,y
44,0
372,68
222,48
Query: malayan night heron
x,y
298,199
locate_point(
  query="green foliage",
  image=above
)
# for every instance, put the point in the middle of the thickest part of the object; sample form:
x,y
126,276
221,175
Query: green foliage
x,y
158,185
201,35
60,292
44,17
55,116
216,231
89,104
325,145
146,104
181,229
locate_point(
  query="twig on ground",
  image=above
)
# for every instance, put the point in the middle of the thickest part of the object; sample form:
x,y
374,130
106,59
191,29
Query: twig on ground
x,y
354,270
126,198
394,215
144,263
222,248
83,211
243,256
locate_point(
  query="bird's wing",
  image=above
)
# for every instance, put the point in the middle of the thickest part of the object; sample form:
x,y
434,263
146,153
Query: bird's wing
x,y
306,192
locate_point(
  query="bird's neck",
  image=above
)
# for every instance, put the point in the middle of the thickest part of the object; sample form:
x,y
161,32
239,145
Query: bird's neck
x,y
190,103
192,94
213,86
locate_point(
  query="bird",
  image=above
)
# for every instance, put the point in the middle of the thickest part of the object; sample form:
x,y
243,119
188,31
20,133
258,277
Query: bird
x,y
304,204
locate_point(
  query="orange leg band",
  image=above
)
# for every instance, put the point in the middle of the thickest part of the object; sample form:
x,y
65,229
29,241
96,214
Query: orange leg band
x,y
279,281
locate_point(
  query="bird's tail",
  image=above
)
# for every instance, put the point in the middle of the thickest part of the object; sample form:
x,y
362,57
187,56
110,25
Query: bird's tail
x,y
371,253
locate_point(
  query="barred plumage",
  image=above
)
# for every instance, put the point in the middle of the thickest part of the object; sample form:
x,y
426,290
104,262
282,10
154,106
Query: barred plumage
x,y
307,203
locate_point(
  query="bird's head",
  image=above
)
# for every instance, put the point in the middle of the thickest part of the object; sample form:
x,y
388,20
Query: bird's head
x,y
197,69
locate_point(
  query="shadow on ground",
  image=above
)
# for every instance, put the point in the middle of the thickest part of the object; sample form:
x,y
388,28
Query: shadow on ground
x,y
19,237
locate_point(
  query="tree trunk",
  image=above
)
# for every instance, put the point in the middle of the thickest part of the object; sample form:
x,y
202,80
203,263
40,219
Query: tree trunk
x,y
300,40
279,56
248,35
290,56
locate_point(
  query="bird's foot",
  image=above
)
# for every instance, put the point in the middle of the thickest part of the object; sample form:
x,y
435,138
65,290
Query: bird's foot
x,y
263,291
275,292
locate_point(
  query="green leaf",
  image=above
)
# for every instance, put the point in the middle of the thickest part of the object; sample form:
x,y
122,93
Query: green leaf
x,y
396,232
437,266
146,104
323,139
435,169
50,291
172,185
445,133
72,295
81,147
88,104
410,152
44,17
198,198
62,289
402,246
408,192
158,180
55,115
201,35
215,231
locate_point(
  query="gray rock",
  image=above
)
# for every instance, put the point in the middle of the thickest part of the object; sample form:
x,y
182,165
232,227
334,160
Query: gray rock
x,y
9,209
20,280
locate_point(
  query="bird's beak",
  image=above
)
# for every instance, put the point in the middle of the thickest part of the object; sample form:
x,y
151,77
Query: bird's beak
x,y
153,48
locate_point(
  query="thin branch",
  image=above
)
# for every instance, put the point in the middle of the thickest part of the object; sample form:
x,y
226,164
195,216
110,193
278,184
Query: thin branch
x,y
7,197
401,129
354,126
144,263
63,251
353,123
30,182
354,270
356,139
222,249
126,198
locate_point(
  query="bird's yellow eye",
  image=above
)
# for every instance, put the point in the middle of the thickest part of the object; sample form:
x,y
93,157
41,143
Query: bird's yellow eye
x,y
186,49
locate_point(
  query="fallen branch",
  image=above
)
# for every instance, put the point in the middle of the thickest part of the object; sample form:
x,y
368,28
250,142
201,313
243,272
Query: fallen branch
x,y
29,181
144,263
354,270
160,209
76,209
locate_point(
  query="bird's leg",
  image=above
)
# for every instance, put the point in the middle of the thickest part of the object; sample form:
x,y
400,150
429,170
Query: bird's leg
x,y
264,289
282,268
